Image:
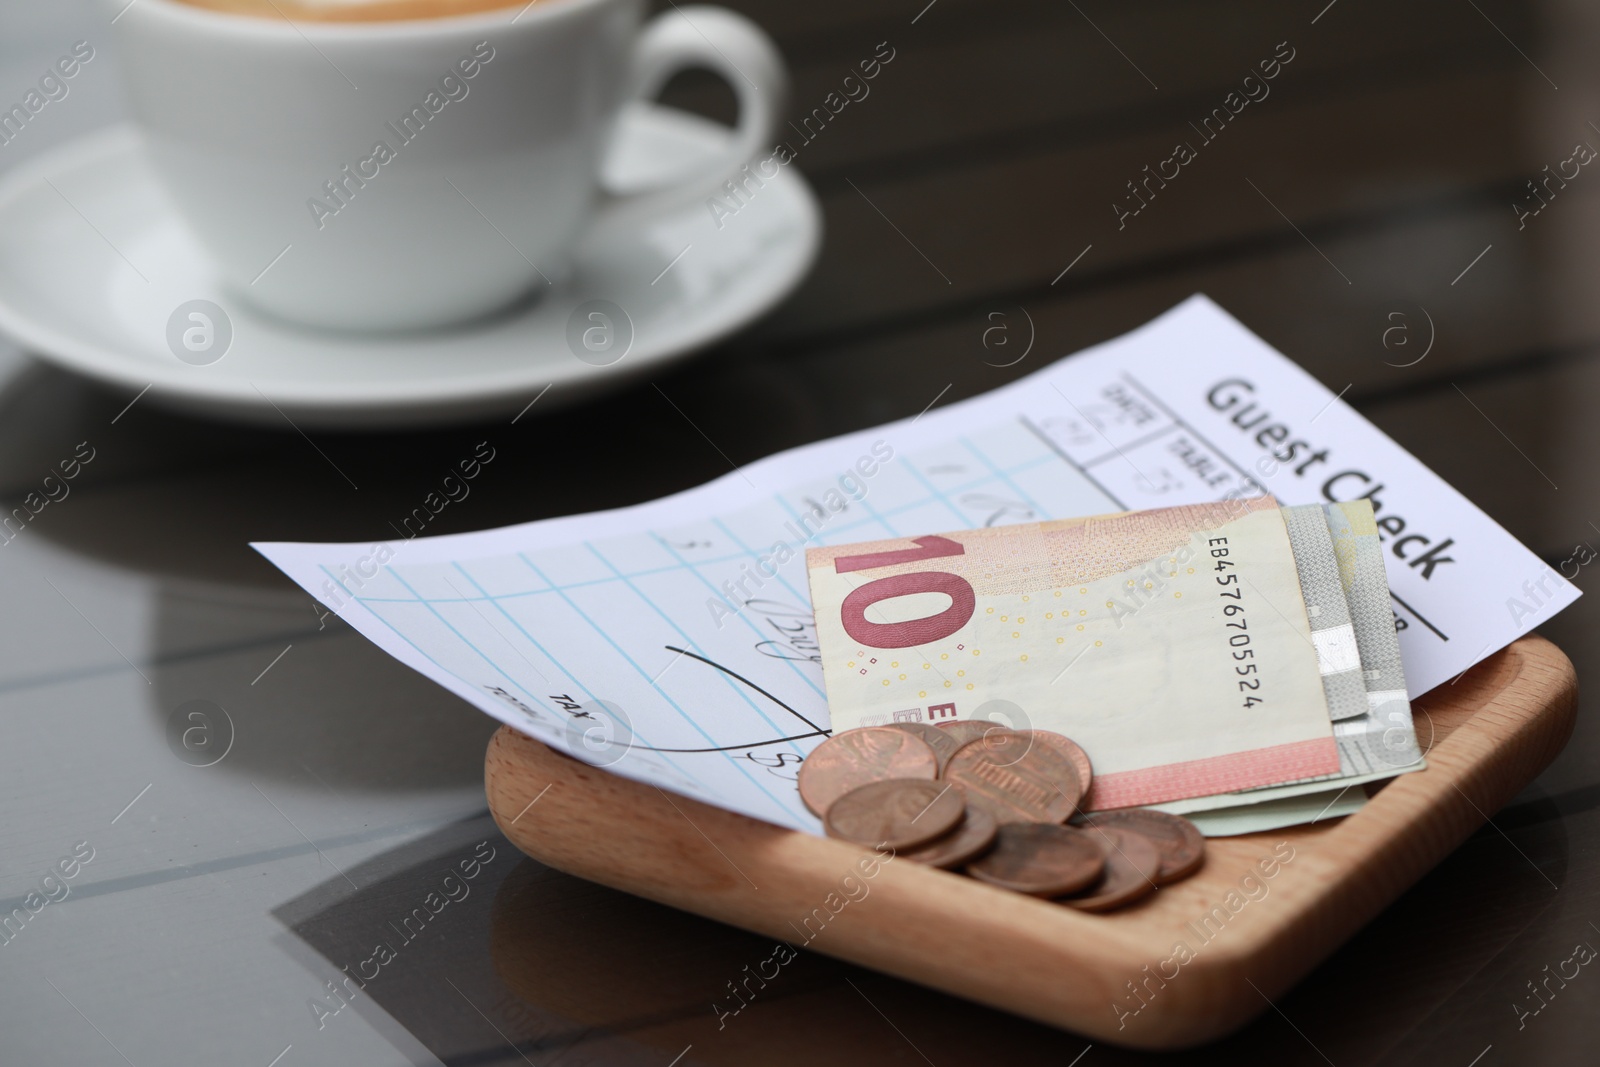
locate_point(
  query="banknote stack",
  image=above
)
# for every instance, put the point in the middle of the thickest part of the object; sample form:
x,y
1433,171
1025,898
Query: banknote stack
x,y
991,800
1236,662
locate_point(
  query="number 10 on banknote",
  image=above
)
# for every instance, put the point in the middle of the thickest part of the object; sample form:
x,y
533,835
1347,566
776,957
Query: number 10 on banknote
x,y
1174,645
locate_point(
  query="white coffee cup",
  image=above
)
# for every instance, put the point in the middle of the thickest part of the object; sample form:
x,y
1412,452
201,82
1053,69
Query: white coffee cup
x,y
266,134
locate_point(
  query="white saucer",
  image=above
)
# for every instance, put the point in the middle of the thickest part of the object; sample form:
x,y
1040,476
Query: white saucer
x,y
71,292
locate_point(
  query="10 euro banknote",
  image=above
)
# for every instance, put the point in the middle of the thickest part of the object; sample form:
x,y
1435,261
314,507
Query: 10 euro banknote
x,y
1174,645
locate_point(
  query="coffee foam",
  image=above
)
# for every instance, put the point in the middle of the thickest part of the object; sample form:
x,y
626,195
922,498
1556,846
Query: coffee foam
x,y
353,10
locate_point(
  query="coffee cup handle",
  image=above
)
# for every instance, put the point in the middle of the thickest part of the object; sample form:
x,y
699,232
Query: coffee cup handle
x,y
728,44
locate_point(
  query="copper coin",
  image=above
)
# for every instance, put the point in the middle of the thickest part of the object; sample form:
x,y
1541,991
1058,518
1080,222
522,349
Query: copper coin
x,y
943,743
971,838
900,813
1182,846
851,759
972,729
1132,861
1017,778
1041,859
1069,748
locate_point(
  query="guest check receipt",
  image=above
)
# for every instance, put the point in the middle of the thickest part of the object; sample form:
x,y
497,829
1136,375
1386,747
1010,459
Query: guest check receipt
x,y
674,641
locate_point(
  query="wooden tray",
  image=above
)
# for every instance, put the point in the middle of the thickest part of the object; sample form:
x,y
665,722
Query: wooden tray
x,y
1111,977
